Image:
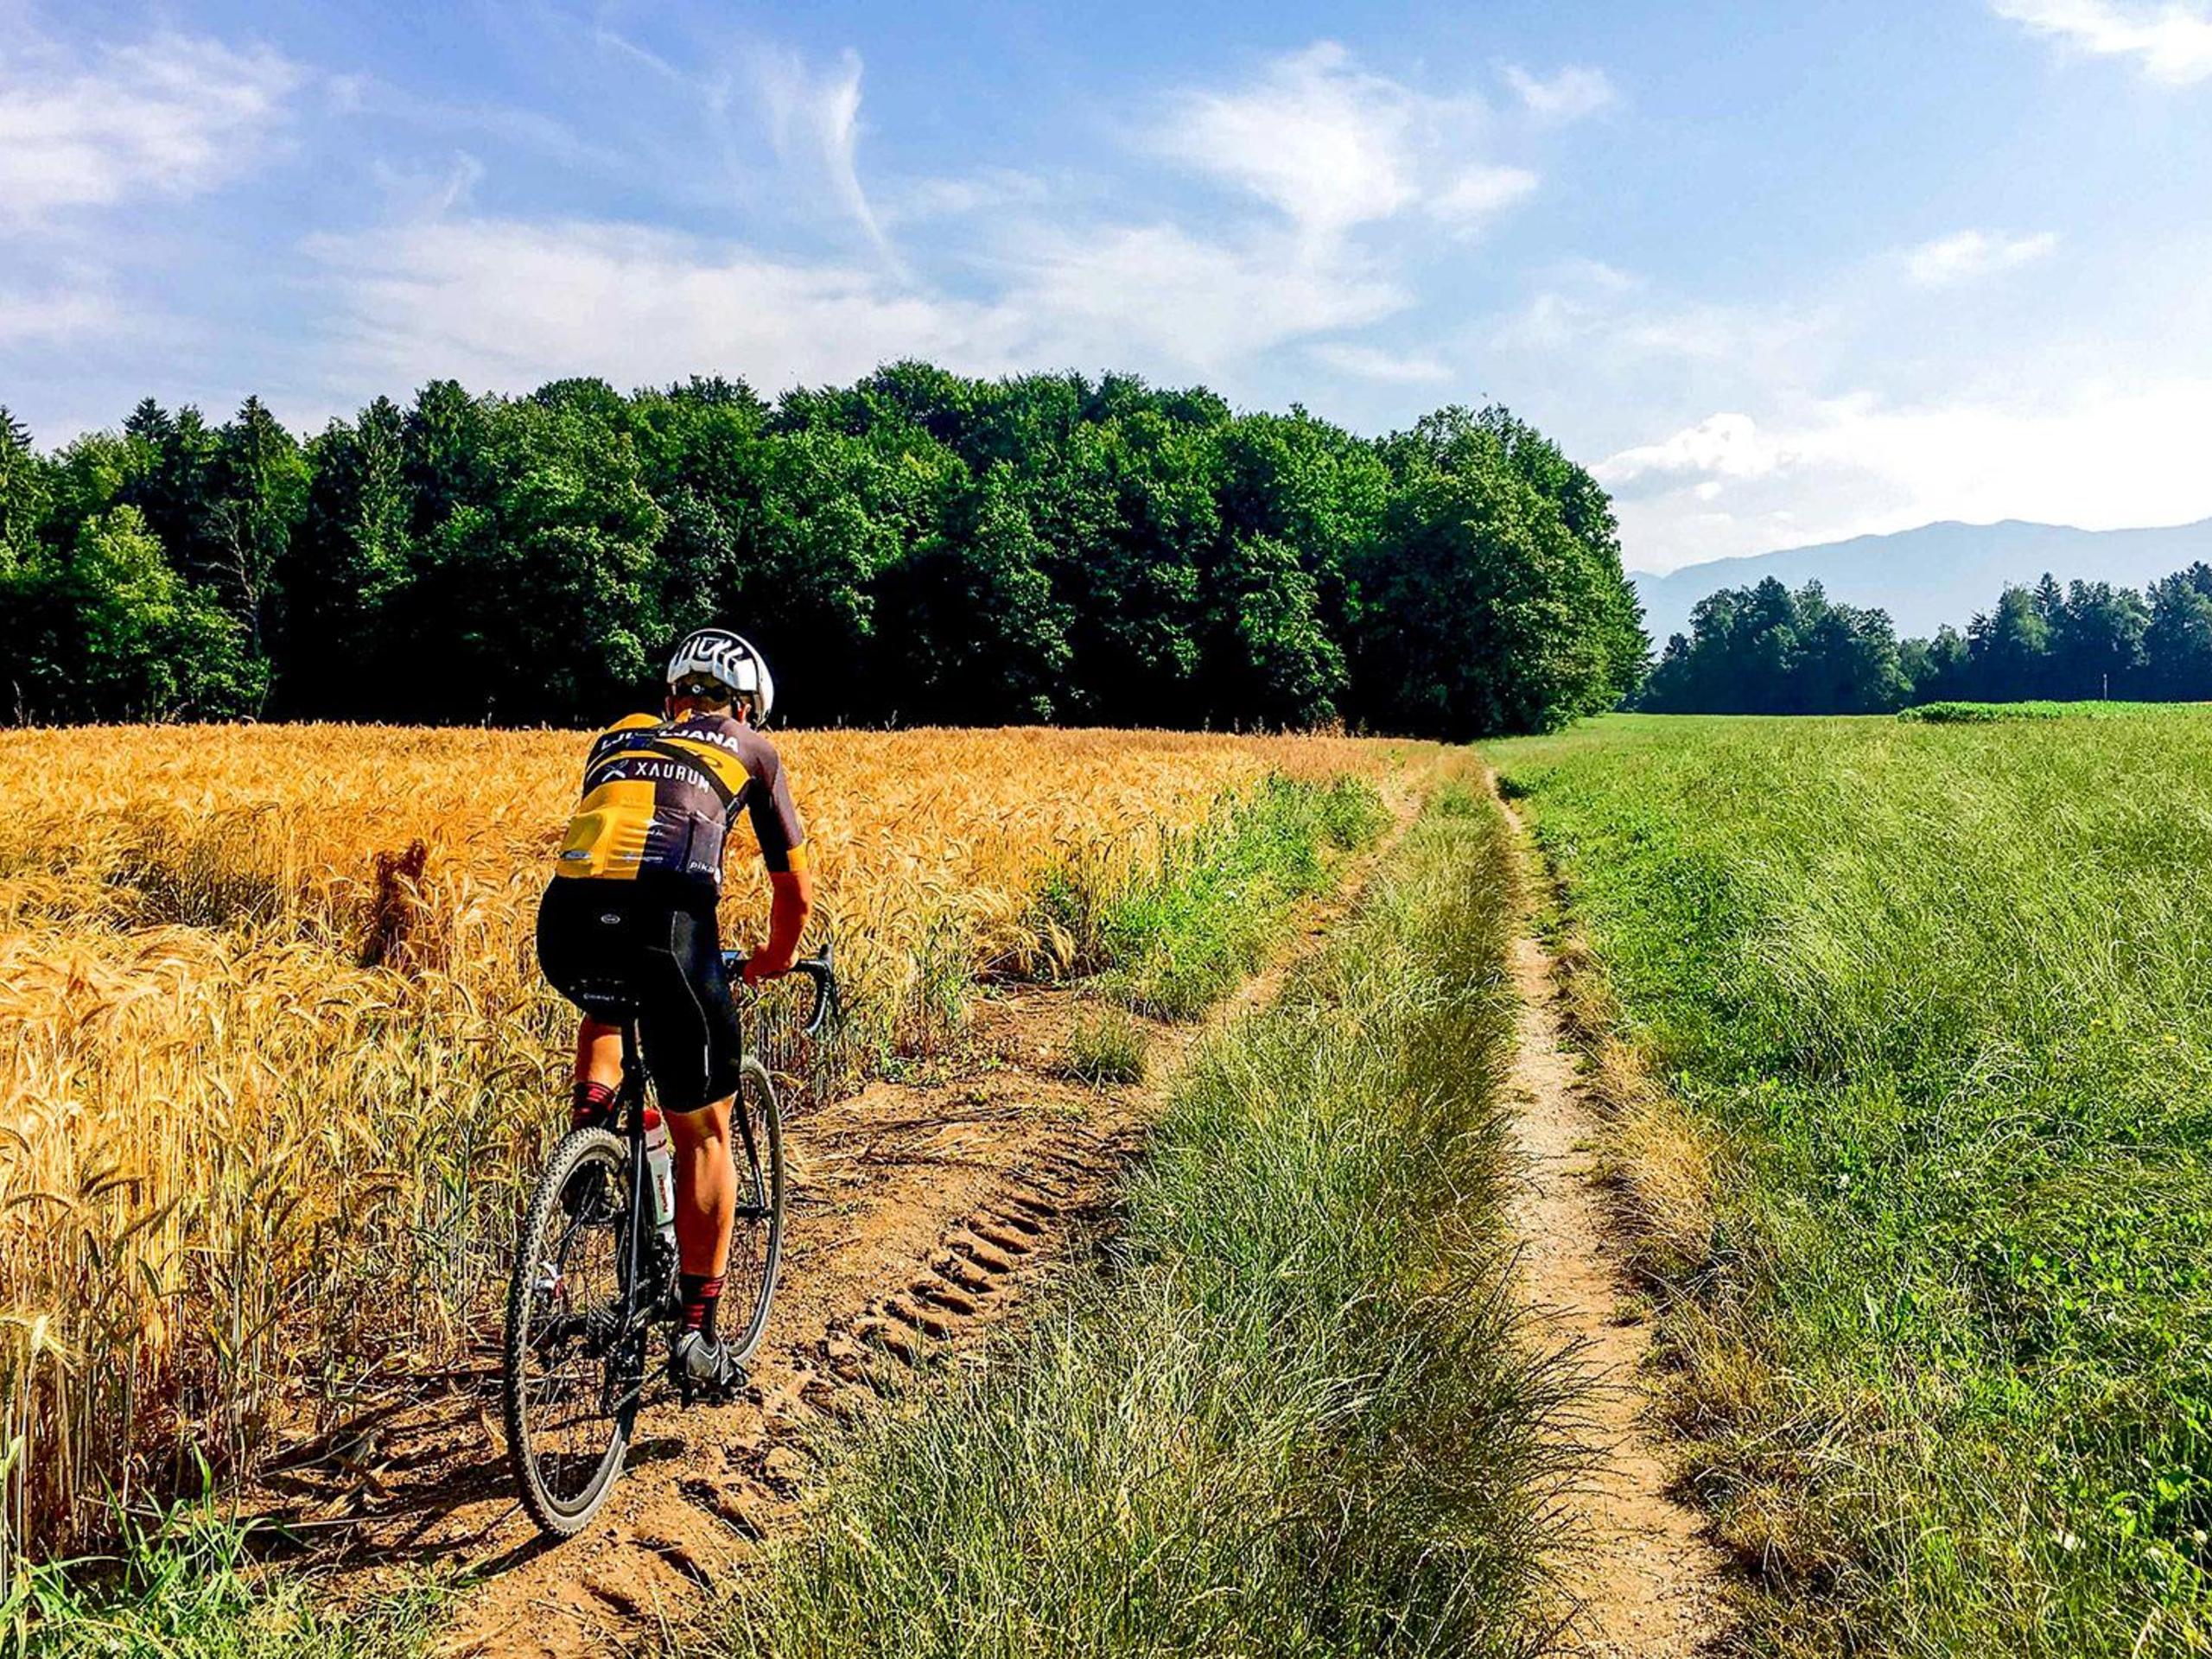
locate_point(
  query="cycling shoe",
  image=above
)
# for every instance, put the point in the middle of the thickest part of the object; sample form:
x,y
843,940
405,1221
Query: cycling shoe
x,y
704,1367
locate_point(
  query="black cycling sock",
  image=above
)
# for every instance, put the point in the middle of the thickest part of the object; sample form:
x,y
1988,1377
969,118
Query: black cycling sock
x,y
590,1103
702,1296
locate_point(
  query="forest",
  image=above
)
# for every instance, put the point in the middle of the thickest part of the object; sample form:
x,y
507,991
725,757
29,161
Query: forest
x,y
920,548
1768,650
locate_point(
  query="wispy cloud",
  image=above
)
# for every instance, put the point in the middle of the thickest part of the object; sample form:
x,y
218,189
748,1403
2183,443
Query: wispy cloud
x,y
1476,196
989,190
1180,301
1965,255
1333,147
425,192
815,116
1372,363
1572,94
1721,446
505,303
1328,145
2171,42
174,115
1320,147
59,314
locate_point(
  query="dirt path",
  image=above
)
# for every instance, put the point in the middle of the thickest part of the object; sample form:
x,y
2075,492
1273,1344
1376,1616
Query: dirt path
x,y
922,1215
1648,1585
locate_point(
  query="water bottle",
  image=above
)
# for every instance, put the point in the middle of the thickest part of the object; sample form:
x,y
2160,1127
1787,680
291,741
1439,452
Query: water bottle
x,y
660,1161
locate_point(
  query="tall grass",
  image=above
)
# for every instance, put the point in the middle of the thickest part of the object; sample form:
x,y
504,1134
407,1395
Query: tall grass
x,y
274,1060
1287,1414
185,1589
1940,991
1182,933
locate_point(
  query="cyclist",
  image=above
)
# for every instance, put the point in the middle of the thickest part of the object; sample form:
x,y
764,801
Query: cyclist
x,y
629,920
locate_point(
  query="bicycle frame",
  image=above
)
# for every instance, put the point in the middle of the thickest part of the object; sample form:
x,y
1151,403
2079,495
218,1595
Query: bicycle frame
x,y
639,1248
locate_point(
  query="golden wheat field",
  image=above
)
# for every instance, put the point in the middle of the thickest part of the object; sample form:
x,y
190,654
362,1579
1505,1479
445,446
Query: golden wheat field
x,y
275,1056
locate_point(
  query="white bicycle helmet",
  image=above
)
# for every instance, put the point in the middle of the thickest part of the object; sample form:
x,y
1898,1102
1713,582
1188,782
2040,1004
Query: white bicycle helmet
x,y
731,662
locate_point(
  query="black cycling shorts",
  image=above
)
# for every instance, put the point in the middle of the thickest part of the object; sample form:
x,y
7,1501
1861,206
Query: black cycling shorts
x,y
648,948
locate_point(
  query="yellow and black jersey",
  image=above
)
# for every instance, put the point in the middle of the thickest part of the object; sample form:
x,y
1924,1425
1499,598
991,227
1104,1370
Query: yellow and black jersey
x,y
659,796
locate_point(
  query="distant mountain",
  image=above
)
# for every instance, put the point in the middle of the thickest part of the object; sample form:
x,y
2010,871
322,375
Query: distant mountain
x,y
1937,574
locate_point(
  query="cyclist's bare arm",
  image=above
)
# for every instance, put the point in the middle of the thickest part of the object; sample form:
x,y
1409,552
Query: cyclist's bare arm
x,y
793,900
783,848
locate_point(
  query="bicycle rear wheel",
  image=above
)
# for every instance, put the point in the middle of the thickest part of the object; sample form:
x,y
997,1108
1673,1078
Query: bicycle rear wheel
x,y
756,1239
574,1368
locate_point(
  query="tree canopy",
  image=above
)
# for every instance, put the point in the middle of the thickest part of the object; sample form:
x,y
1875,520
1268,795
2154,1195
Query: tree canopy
x,y
1765,650
917,546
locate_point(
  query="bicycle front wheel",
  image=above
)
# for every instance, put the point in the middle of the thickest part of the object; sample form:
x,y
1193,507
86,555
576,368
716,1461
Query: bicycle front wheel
x,y
575,1357
756,1237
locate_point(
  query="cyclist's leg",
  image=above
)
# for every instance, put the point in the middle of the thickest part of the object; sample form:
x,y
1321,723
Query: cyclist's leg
x,y
706,1189
585,943
695,1050
599,1071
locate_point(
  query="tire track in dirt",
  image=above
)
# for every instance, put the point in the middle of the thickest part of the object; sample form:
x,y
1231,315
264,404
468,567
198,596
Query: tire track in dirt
x,y
1647,1580
922,1217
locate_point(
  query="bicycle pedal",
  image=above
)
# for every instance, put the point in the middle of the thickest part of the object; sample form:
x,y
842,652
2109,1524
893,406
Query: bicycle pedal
x,y
689,1392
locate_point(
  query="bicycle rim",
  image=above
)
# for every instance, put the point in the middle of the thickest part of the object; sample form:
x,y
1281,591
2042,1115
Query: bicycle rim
x,y
572,1370
756,1240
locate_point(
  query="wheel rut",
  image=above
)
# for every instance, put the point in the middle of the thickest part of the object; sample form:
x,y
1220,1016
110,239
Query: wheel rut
x,y
1649,1581
923,1216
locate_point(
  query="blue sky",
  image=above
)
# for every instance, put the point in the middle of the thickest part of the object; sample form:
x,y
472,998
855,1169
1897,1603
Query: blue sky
x,y
1781,273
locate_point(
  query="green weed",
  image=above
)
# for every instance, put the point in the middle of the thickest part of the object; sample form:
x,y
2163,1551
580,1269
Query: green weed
x,y
1291,1414
1206,918
184,1589
1106,1048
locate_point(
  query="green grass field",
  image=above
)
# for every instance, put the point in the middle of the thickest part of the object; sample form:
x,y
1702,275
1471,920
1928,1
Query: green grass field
x,y
1942,994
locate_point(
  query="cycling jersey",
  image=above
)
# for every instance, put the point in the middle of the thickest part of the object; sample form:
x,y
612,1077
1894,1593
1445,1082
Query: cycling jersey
x,y
659,796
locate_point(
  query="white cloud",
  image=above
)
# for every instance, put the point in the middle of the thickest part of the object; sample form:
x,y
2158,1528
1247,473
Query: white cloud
x,y
1327,148
2173,41
1574,93
1597,314
173,116
1328,145
1969,254
1332,147
1372,363
1175,301
1481,192
1721,446
58,315
508,304
2103,458
990,190
816,117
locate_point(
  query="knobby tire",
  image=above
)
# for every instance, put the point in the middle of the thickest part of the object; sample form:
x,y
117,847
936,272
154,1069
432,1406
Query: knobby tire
x,y
564,1444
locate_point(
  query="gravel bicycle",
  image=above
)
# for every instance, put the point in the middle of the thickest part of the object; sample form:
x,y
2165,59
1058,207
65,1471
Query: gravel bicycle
x,y
594,1277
